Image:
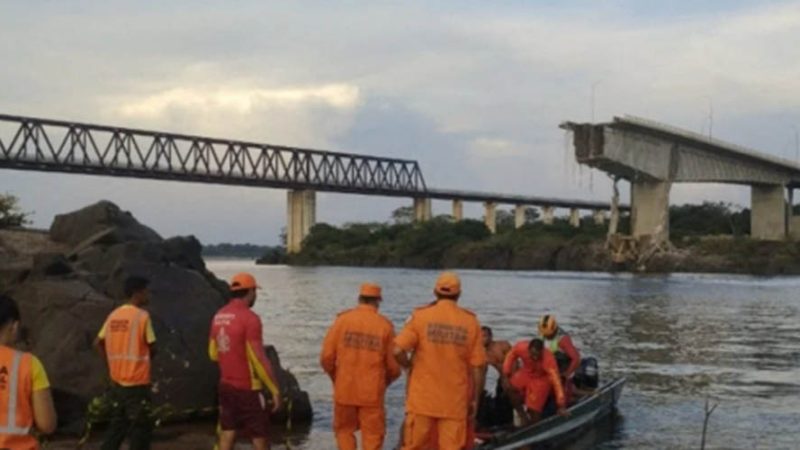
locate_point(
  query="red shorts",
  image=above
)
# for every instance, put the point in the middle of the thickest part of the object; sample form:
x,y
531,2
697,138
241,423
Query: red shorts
x,y
244,411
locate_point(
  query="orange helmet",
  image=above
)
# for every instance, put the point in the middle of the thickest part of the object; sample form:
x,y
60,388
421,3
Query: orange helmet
x,y
547,325
370,290
242,281
448,284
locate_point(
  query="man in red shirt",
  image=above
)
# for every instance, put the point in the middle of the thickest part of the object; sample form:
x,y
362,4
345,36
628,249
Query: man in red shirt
x,y
236,344
536,378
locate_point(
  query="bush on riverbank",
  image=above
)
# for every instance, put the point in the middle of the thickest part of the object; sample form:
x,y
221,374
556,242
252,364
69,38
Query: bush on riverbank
x,y
711,237
442,242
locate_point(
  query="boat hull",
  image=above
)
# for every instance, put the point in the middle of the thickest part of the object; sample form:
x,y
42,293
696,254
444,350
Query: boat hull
x,y
557,430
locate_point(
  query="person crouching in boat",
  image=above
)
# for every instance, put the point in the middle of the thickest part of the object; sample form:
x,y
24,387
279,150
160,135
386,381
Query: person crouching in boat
x,y
536,378
560,345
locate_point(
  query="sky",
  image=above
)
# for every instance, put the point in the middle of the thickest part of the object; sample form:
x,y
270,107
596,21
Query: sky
x,y
472,90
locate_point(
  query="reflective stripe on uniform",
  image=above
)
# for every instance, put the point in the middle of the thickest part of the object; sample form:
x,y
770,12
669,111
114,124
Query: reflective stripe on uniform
x,y
13,394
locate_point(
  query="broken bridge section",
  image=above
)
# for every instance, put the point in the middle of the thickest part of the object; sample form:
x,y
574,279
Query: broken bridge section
x,y
652,156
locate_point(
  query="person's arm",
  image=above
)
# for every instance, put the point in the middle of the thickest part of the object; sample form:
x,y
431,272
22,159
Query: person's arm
x,y
401,357
478,382
100,344
44,411
213,351
393,369
477,360
258,360
327,357
150,336
405,342
551,368
566,345
508,363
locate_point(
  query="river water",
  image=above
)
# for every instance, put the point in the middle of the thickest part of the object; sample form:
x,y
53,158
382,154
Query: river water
x,y
678,339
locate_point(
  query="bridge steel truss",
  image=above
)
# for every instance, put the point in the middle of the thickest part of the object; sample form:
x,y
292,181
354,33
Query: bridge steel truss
x,y
60,146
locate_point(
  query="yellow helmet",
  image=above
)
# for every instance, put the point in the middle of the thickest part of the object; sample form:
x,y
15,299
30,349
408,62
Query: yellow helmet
x,y
547,325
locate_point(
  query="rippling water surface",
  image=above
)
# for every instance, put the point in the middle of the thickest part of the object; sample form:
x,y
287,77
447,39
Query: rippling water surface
x,y
677,338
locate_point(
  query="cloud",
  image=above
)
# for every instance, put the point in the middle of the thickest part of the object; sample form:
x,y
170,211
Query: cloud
x,y
238,100
488,147
474,92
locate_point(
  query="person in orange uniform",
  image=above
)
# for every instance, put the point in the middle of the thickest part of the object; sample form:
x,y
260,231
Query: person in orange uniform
x,y
536,378
126,341
236,343
357,355
449,361
25,398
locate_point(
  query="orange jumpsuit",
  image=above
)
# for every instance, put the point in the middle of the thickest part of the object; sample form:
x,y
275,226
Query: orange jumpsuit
x,y
446,341
357,355
536,378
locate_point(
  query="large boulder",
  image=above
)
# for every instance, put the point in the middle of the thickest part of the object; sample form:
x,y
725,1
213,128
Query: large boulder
x,y
75,227
66,295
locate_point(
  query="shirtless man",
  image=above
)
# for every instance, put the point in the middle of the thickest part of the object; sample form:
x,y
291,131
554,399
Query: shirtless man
x,y
496,351
496,410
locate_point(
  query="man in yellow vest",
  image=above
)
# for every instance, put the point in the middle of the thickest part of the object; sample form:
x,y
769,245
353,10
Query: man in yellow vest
x,y
126,342
25,399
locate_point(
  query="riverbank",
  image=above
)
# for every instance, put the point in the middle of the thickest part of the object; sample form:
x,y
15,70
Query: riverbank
x,y
558,247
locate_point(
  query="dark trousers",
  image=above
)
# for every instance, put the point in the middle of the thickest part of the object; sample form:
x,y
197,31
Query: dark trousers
x,y
130,417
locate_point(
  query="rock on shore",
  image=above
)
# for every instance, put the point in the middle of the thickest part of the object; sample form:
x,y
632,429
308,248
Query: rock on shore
x,y
67,280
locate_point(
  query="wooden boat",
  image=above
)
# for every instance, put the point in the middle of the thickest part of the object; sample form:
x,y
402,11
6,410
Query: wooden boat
x,y
556,430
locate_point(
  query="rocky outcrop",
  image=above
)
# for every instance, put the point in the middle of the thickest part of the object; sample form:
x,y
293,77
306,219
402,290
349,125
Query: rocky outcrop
x,y
68,286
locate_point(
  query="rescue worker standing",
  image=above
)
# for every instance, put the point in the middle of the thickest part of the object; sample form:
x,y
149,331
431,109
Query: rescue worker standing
x,y
25,399
236,343
357,355
126,341
560,345
537,377
447,378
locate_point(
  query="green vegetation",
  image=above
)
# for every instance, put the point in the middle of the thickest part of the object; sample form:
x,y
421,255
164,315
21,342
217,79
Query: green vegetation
x,y
226,250
707,219
10,213
711,237
441,242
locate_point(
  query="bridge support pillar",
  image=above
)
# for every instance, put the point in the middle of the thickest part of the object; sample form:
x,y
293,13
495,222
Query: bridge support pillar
x,y
422,209
490,218
548,215
519,215
458,210
301,215
599,217
768,212
650,209
575,217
